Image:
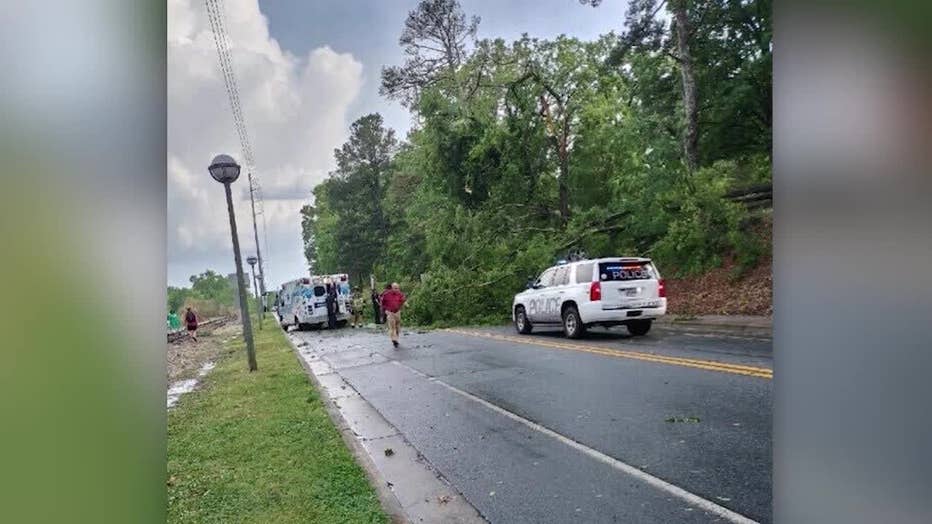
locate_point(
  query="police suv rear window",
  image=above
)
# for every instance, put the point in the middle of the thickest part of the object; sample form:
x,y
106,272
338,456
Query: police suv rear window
x,y
615,271
584,273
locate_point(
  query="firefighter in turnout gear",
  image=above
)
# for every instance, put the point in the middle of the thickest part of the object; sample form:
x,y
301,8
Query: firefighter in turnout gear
x,y
358,305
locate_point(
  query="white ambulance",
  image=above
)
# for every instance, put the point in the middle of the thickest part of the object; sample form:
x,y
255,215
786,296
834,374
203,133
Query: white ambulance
x,y
303,302
606,292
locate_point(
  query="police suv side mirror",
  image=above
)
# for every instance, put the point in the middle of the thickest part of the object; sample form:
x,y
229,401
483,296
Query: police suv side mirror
x,y
530,283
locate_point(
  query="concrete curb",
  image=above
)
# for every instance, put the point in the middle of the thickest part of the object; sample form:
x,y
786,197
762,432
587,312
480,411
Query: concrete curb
x,y
390,503
758,327
423,482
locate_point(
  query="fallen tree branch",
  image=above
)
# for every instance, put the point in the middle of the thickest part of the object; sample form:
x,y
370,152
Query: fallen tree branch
x,y
745,191
601,227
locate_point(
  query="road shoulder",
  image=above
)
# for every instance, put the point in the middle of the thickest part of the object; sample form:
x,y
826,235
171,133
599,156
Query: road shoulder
x,y
734,325
409,488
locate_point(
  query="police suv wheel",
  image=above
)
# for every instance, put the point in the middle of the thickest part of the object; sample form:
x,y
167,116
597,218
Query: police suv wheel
x,y
522,324
572,324
639,328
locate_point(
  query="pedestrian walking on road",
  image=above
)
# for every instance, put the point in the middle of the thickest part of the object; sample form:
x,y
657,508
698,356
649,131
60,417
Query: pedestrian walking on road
x,y
359,302
190,320
388,287
392,301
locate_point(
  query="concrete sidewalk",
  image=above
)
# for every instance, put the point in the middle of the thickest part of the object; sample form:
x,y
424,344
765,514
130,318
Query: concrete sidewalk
x,y
739,325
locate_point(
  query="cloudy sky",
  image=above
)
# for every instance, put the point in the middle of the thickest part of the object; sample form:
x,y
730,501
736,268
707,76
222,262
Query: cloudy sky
x,y
305,70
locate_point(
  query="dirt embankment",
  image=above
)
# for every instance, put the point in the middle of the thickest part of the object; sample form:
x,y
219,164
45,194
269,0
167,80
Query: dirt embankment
x,y
718,292
185,356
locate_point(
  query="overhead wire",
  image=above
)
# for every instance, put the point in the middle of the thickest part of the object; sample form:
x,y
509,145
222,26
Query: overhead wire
x,y
225,59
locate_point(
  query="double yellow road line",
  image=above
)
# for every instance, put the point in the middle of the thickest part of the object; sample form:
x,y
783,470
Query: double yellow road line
x,y
709,365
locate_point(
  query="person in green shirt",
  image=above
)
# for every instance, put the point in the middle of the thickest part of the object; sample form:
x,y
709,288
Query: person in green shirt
x,y
173,321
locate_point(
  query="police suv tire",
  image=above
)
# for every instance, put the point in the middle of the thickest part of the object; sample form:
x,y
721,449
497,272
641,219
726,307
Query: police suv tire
x,y
522,324
572,324
639,328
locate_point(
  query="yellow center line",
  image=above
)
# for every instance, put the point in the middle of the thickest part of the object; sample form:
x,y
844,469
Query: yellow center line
x,y
710,365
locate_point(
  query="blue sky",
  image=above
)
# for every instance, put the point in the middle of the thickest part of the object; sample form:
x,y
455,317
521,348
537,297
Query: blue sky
x,y
369,30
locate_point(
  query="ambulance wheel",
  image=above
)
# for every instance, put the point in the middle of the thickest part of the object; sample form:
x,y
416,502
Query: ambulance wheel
x,y
522,324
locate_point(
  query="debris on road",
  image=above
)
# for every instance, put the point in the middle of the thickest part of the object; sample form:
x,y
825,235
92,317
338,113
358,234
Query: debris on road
x,y
389,452
683,419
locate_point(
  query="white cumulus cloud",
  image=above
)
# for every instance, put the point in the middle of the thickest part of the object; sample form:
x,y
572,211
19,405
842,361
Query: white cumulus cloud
x,y
296,113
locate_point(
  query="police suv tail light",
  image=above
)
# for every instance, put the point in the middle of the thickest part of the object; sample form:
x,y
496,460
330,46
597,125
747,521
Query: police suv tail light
x,y
661,288
595,291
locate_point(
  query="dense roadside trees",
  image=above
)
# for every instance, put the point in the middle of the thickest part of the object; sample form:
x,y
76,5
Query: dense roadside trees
x,y
209,290
525,150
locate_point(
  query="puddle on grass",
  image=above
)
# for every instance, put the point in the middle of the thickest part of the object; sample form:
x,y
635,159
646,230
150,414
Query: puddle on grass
x,y
184,386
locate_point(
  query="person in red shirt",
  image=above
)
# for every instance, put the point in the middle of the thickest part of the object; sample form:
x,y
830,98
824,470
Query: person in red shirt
x,y
392,301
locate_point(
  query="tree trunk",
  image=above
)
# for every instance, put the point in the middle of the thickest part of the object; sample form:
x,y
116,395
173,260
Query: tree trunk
x,y
690,104
563,183
564,189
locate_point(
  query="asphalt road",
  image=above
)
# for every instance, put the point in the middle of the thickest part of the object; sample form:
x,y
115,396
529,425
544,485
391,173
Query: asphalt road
x,y
538,428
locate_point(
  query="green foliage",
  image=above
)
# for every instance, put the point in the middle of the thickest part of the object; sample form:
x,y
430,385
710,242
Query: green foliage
x,y
346,229
528,149
210,285
210,294
177,297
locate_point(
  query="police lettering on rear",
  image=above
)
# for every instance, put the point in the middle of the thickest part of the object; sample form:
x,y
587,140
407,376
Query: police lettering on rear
x,y
615,271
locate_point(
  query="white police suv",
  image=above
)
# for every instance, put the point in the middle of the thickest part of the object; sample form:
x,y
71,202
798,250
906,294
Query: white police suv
x,y
603,291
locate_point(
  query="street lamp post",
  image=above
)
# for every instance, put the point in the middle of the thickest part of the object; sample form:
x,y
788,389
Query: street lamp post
x,y
251,260
225,170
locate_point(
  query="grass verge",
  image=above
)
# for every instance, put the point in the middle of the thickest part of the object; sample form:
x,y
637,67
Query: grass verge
x,y
260,447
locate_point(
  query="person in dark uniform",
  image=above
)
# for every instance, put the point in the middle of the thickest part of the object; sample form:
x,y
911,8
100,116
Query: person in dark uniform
x,y
331,306
376,307
358,304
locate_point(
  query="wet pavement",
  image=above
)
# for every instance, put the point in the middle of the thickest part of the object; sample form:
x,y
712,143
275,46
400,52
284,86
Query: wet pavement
x,y
671,427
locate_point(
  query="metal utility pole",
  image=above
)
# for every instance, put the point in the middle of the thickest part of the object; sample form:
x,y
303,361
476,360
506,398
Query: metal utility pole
x,y
255,231
225,170
252,264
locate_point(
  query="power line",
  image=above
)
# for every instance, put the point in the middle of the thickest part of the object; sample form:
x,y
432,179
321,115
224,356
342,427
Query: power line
x,y
225,58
